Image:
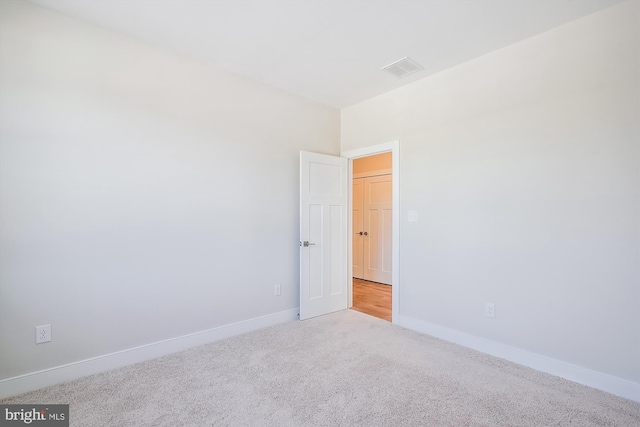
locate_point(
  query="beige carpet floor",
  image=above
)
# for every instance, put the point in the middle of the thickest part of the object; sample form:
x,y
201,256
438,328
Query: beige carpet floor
x,y
343,369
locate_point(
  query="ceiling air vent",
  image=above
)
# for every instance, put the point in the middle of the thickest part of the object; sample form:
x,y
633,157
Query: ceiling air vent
x,y
403,67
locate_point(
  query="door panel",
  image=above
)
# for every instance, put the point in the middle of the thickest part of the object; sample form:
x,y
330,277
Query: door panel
x,y
323,226
371,224
315,257
338,249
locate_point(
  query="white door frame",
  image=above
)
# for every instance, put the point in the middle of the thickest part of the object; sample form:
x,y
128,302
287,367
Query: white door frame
x,y
394,148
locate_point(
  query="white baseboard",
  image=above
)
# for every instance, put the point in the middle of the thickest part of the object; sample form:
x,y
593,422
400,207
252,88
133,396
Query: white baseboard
x,y
71,371
610,384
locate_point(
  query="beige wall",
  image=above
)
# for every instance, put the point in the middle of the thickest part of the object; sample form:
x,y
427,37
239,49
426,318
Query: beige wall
x,y
524,165
143,196
372,165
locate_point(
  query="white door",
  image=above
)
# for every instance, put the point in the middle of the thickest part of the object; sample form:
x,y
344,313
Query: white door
x,y
323,234
358,230
378,208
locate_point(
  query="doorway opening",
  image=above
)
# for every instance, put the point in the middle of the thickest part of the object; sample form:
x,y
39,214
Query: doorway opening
x,y
374,210
371,213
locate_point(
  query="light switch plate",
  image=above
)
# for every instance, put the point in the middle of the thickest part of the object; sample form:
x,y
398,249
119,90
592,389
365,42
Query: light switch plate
x,y
413,216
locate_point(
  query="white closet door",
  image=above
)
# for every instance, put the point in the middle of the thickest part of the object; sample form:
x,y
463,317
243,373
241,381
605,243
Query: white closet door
x,y
378,204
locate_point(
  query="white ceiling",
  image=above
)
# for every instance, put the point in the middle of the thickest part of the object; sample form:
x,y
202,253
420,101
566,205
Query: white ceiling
x,y
329,51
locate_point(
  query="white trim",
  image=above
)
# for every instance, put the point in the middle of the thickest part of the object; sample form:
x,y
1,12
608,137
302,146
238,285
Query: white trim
x,y
369,151
610,384
349,232
394,147
71,371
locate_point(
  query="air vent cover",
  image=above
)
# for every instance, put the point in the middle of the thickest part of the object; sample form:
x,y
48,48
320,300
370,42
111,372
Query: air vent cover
x,y
403,67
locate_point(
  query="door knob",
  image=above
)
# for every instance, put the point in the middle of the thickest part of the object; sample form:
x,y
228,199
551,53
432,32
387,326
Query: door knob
x,y
366,234
360,233
306,244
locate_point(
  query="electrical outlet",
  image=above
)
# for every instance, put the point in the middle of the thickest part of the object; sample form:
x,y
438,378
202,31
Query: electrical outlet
x,y
276,290
43,334
489,310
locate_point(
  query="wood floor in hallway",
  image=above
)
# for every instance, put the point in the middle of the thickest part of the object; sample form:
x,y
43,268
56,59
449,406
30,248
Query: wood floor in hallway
x,y
372,298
